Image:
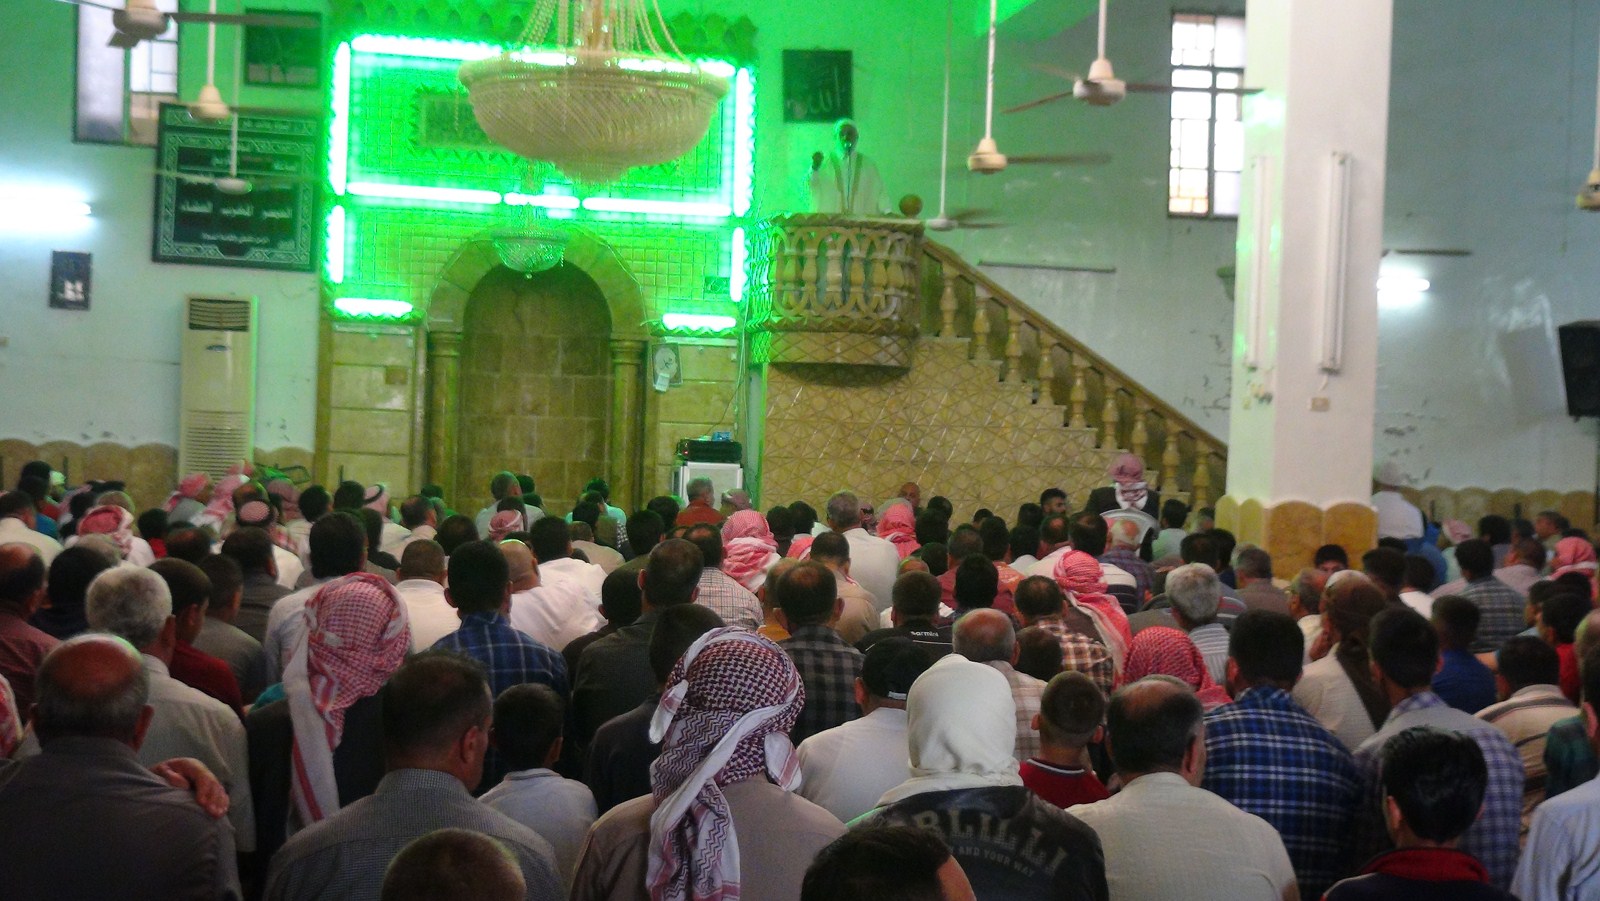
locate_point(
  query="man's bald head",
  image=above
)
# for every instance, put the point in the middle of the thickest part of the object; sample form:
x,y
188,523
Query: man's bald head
x,y
912,492
524,569
454,865
1126,533
422,559
22,574
94,686
1152,725
985,635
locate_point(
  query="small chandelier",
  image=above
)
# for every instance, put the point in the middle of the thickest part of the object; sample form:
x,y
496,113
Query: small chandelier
x,y
531,250
609,95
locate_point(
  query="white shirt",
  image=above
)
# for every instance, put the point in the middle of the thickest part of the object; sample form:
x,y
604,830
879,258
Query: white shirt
x,y
1047,565
1397,517
393,538
1114,575
1164,838
571,571
191,723
1420,601
874,563
1311,627
1327,694
1520,576
600,555
1561,861
285,625
554,615
560,810
1024,563
432,617
15,531
846,769
289,566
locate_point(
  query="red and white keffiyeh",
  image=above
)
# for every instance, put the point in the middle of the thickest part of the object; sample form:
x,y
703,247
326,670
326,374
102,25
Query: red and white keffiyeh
x,y
1081,577
724,717
10,720
748,548
288,498
1169,652
1127,476
189,487
356,636
898,526
1575,555
503,523
113,522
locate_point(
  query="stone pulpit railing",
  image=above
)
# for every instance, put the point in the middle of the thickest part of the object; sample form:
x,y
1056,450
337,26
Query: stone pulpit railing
x,y
834,290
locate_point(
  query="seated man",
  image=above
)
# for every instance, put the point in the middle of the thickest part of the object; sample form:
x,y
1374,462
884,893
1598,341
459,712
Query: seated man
x,y
962,732
1462,681
1071,717
1528,680
1433,785
877,862
436,715
86,793
808,601
714,823
454,865
913,614
1560,860
527,732
988,637
1157,743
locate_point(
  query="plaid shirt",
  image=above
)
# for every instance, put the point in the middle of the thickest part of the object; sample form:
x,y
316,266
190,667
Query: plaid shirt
x,y
1267,756
729,600
1501,609
1494,838
829,668
1084,653
508,656
1025,693
1127,559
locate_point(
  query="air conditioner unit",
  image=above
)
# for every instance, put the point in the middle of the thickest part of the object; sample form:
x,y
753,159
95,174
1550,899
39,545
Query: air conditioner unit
x,y
217,422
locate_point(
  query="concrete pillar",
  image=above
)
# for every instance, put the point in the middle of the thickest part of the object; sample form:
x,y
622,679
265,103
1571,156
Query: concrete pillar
x,y
626,435
1310,241
444,405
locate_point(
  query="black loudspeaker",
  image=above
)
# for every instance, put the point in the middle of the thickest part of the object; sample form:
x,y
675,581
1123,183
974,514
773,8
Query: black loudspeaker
x,y
1580,366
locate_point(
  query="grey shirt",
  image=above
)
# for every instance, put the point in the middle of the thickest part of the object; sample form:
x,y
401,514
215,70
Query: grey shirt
x,y
83,819
343,858
260,593
235,647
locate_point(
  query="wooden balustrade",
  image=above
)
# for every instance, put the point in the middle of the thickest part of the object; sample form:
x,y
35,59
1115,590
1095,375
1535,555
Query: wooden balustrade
x,y
1097,395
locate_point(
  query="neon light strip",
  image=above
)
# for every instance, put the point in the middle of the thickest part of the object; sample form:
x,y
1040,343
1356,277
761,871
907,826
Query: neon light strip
x,y
373,306
422,192
429,48
666,207
736,273
548,201
744,141
698,321
339,127
335,249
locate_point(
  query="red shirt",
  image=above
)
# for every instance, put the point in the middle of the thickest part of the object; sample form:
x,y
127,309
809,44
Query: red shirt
x,y
1003,600
1571,683
202,671
1062,786
698,512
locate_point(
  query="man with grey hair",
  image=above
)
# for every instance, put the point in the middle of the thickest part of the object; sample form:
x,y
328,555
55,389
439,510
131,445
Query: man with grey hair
x,y
503,485
1196,592
1305,604
1252,567
700,493
83,818
873,561
988,636
136,605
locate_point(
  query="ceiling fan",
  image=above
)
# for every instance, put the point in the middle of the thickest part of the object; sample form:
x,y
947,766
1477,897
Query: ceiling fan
x,y
208,105
1101,87
961,218
140,20
1589,197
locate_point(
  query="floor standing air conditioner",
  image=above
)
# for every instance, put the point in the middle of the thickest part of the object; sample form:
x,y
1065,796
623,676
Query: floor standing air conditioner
x,y
218,395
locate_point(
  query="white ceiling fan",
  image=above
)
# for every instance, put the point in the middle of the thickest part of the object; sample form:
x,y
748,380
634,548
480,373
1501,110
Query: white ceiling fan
x,y
140,20
1102,87
1589,197
208,105
987,158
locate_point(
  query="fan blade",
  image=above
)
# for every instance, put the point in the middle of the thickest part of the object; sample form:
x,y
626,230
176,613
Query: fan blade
x,y
1062,159
254,19
1052,70
964,215
123,39
191,177
962,226
87,3
1431,252
273,111
1145,87
1040,102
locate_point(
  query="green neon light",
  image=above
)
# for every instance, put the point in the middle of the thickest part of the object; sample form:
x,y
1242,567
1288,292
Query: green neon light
x,y
694,321
736,273
548,201
334,251
688,208
744,141
430,48
339,127
373,307
424,193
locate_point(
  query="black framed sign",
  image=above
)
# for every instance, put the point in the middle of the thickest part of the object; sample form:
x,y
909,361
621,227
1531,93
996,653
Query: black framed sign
x,y
816,85
282,57
69,280
271,225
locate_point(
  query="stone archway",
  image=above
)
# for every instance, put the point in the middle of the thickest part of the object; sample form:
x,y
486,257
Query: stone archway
x,y
446,324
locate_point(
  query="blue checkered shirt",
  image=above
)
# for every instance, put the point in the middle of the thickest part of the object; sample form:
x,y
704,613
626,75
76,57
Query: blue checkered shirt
x,y
1267,756
508,656
1495,837
828,669
1500,609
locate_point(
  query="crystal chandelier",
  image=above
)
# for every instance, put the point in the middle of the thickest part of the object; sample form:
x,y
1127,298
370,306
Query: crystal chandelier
x,y
608,95
530,250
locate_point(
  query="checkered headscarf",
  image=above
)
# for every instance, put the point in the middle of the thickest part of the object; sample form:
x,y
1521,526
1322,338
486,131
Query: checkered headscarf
x,y
1081,577
724,717
748,548
356,636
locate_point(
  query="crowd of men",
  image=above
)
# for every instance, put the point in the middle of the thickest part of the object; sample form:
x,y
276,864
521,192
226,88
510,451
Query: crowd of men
x,y
262,690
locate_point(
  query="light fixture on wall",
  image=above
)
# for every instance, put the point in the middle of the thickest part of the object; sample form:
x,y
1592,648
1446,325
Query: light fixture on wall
x,y
373,307
34,208
1399,292
530,250
612,93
